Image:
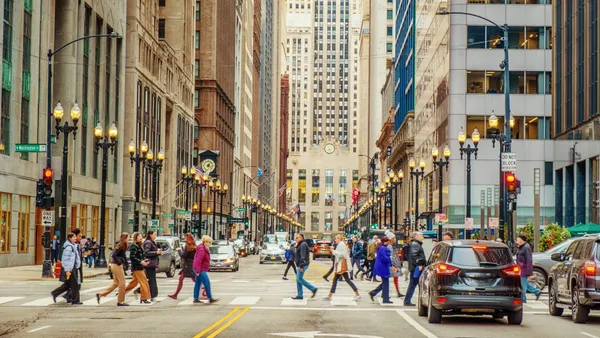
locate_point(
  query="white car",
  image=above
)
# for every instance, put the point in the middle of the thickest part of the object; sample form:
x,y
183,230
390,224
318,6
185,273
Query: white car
x,y
272,253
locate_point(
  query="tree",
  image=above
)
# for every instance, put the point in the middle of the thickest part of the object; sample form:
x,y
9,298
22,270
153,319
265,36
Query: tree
x,y
553,234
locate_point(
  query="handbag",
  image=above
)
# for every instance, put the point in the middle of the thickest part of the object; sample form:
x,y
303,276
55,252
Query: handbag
x,y
344,268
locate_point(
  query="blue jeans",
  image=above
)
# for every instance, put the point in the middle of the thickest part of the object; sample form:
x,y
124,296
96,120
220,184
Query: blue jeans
x,y
528,287
383,286
356,261
92,259
202,279
412,285
300,282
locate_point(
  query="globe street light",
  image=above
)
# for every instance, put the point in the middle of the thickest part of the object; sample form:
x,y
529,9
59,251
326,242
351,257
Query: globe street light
x,y
468,150
440,163
137,156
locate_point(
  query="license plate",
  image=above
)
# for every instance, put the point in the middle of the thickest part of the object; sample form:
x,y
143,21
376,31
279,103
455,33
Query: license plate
x,y
273,258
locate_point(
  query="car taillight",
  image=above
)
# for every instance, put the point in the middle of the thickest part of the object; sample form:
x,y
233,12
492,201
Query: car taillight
x,y
590,268
445,269
512,271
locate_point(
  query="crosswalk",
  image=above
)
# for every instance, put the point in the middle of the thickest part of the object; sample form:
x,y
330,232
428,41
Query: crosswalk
x,y
238,293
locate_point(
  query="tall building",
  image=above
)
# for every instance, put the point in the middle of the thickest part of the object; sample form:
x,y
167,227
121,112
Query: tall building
x,y
322,166
576,127
159,70
215,85
265,137
237,186
459,85
284,150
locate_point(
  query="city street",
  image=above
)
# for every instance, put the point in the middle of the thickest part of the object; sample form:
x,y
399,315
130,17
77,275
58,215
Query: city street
x,y
254,302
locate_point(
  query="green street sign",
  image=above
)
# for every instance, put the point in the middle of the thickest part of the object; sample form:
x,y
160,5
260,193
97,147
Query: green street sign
x,y
154,223
167,215
161,229
30,148
53,139
241,209
171,226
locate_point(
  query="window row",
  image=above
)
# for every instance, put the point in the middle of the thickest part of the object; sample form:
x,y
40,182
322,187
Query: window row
x,y
492,37
492,82
511,2
525,127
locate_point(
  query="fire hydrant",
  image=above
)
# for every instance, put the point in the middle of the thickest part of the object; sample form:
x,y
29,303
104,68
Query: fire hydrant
x,y
57,269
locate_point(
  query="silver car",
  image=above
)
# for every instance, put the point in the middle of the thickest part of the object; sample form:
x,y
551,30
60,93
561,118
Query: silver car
x,y
272,253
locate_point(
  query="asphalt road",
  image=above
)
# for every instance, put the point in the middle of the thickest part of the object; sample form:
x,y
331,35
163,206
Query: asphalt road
x,y
254,302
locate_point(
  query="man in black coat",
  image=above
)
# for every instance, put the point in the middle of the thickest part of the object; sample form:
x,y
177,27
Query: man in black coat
x,y
416,261
151,251
302,262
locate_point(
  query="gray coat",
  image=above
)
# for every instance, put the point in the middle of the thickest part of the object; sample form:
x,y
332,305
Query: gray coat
x,y
395,261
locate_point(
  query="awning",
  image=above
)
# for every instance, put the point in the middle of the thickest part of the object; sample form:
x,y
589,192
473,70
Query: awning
x,y
427,215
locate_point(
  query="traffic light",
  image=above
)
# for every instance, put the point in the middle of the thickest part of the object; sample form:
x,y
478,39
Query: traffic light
x,y
374,226
47,201
246,223
511,186
39,193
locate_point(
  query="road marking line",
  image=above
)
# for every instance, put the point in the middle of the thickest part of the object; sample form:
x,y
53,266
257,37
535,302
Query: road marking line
x,y
342,301
536,304
231,321
244,301
240,281
187,301
326,308
40,302
39,329
589,335
322,270
416,325
8,299
94,301
92,290
294,302
217,323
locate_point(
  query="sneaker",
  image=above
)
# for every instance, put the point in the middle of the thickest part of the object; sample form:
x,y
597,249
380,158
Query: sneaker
x,y
357,297
196,301
76,303
172,296
409,304
156,300
297,298
145,302
387,302
213,300
314,293
326,298
122,304
538,296
284,278
98,298
372,297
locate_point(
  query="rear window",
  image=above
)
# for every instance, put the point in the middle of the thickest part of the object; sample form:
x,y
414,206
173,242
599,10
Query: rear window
x,y
468,256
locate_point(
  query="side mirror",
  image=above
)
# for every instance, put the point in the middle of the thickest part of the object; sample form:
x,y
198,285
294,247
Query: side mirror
x,y
558,256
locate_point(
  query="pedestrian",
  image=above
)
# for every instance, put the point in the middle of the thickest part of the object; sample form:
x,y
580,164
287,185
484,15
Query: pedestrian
x,y
383,264
138,262
187,260
342,263
200,266
447,236
92,252
83,248
416,261
151,251
290,256
405,254
118,266
302,262
71,262
434,242
525,262
357,256
371,253
331,250
55,248
396,262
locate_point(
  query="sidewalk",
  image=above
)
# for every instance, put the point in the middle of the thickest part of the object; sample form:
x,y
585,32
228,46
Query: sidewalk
x,y
34,273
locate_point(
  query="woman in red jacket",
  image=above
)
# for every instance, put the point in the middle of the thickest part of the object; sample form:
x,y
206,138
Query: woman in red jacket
x,y
201,266
187,257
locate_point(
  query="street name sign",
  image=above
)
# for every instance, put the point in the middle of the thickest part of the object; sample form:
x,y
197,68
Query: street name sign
x,y
241,209
509,161
236,220
154,223
30,148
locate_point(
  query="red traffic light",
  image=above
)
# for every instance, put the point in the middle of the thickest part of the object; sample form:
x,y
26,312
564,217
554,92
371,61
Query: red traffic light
x,y
48,173
510,178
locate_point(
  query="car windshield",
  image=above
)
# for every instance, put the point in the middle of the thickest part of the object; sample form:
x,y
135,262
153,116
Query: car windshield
x,y
481,256
220,249
560,247
271,247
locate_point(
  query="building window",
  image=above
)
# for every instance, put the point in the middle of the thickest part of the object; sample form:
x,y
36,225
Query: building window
x,y
95,221
197,68
518,37
24,125
197,40
197,10
390,31
492,82
288,186
23,233
355,179
548,173
302,186
7,33
328,221
389,47
342,191
315,186
5,223
390,14
196,98
162,3
314,221
161,28
5,120
329,198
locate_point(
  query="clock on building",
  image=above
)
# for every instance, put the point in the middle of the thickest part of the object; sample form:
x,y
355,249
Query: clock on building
x,y
329,148
208,165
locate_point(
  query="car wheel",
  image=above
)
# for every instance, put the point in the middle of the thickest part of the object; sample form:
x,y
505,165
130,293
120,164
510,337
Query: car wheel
x,y
515,317
421,309
434,316
539,278
171,272
553,301
579,312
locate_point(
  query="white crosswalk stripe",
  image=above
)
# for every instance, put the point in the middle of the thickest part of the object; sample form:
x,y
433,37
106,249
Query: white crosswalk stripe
x,y
8,299
94,301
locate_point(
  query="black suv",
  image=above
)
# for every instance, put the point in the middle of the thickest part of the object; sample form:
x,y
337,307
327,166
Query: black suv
x,y
473,278
574,282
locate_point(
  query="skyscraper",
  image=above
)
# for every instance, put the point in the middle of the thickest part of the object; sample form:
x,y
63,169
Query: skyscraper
x,y
320,46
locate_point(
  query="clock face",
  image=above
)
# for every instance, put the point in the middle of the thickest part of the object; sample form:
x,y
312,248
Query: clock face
x,y
329,148
208,165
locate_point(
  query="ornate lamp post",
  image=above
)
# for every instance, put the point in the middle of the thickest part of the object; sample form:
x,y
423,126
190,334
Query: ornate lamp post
x,y
468,150
222,193
416,173
196,218
104,142
137,156
214,188
442,162
187,177
154,165
65,129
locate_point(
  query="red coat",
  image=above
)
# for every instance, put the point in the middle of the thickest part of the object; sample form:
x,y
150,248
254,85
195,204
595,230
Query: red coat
x,y
201,259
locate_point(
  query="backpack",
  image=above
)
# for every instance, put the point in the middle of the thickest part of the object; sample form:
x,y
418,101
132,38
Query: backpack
x,y
287,255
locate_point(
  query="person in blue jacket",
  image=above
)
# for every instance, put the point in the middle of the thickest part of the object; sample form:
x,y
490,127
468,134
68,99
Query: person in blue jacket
x,y
383,264
357,256
290,256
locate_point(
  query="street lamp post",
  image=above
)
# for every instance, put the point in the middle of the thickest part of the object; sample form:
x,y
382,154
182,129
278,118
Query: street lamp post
x,y
395,181
104,142
222,194
468,150
196,221
65,129
154,166
137,156
187,176
214,187
201,182
416,173
441,163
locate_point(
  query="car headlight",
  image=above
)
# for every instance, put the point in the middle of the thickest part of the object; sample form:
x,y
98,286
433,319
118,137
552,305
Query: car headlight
x,y
229,260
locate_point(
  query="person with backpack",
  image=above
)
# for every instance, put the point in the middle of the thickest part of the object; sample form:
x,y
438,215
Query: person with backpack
x,y
357,256
290,257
